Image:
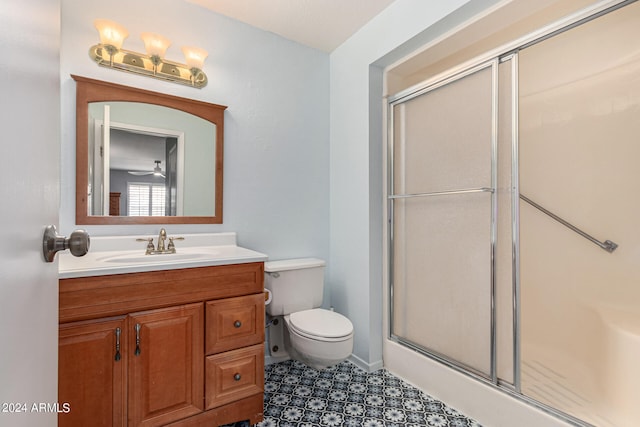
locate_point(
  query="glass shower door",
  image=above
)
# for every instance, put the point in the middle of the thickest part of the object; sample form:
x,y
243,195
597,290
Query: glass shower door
x,y
579,121
441,201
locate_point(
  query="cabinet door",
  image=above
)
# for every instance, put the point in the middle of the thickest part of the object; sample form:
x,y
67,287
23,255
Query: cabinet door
x,y
234,375
234,323
92,373
166,358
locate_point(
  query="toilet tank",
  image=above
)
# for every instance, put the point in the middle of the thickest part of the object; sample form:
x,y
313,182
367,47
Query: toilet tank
x,y
295,285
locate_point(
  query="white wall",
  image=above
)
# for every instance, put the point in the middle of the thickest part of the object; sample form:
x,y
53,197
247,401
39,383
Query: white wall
x,y
356,188
276,153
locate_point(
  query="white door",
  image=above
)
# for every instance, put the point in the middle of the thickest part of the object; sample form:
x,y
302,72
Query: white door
x,y
29,199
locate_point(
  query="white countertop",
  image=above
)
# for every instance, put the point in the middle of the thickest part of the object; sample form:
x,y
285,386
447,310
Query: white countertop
x,y
123,254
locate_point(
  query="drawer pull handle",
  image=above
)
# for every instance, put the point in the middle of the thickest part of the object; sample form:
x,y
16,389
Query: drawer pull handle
x,y
118,344
237,377
137,327
237,324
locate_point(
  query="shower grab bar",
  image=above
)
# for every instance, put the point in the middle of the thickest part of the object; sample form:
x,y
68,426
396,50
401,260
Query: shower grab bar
x,y
607,245
442,193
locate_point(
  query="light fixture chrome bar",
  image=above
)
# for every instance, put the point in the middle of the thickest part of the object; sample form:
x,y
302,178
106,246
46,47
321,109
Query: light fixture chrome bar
x,y
442,193
607,245
137,63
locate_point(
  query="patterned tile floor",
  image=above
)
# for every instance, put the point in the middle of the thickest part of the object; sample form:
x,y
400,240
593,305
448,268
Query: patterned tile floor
x,y
345,395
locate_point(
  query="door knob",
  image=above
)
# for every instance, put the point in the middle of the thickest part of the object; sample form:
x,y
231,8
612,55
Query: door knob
x,y
78,243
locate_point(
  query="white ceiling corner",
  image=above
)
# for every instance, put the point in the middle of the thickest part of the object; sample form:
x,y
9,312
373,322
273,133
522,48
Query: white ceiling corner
x,y
320,24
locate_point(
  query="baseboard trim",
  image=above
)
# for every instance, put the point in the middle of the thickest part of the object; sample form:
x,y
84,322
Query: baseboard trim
x,y
369,367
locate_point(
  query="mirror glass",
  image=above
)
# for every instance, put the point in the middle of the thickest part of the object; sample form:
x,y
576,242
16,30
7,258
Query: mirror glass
x,y
149,160
146,157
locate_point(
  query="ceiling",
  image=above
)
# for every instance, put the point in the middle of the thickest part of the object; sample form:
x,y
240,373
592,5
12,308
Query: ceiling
x,y
320,24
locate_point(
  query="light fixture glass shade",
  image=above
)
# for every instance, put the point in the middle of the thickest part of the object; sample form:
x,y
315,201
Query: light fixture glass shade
x,y
155,44
194,56
111,33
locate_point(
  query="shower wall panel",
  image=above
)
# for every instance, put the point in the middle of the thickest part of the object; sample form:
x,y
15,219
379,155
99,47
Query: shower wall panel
x,y
579,150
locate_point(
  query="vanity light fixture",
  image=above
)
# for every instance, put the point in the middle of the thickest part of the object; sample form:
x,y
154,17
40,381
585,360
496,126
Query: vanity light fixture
x,y
109,53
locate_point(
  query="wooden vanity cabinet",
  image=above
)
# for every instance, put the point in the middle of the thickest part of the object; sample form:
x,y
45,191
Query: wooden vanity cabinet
x,y
90,379
165,364
176,347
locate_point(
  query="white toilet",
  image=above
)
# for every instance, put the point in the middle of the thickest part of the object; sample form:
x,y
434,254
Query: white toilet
x,y
317,337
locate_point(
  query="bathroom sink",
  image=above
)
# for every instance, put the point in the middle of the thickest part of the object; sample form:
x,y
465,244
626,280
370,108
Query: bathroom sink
x,y
125,254
182,254
134,259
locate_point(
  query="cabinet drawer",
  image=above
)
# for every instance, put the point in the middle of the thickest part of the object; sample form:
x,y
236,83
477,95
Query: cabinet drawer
x,y
234,322
234,375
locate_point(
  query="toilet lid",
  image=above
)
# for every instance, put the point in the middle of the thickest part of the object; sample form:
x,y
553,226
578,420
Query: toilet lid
x,y
321,323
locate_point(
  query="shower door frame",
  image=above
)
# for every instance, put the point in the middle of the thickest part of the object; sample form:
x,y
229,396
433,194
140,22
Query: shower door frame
x,y
501,54
453,78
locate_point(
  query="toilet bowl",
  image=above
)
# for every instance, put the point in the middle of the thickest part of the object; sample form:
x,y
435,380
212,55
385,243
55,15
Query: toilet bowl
x,y
319,338
315,336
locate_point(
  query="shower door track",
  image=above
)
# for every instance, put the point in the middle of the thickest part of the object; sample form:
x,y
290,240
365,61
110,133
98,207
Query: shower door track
x,y
504,387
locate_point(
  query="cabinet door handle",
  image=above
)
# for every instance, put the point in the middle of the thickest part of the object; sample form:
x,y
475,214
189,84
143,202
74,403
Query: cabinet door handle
x,y
237,377
117,344
237,324
137,327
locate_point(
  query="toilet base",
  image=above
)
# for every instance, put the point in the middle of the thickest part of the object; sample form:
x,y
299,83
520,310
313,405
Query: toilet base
x,y
312,362
276,339
280,347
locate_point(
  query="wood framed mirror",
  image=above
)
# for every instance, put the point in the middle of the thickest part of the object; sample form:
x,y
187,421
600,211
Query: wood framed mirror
x,y
144,157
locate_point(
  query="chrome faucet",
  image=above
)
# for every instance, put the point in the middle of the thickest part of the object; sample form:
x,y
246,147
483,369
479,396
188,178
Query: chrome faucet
x,y
160,248
161,238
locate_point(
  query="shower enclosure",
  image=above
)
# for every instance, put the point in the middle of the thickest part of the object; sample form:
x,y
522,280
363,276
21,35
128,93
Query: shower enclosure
x,y
514,238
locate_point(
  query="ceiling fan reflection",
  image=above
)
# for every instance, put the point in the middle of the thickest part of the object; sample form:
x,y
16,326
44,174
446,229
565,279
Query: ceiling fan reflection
x,y
157,171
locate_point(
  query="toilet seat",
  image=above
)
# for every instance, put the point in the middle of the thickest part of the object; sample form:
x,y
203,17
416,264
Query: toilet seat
x,y
321,325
